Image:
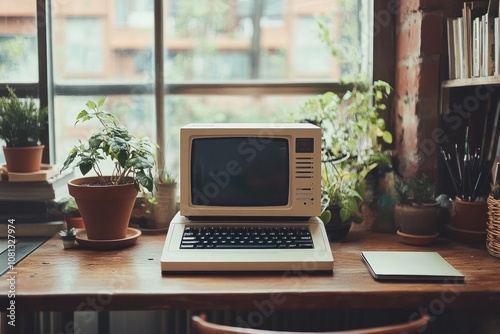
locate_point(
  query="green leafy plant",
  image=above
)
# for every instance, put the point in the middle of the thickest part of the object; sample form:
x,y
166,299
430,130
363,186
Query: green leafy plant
x,y
352,137
69,234
21,120
165,177
69,207
132,156
415,190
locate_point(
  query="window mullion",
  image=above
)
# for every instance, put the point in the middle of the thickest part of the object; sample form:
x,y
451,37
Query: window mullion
x,y
45,73
159,84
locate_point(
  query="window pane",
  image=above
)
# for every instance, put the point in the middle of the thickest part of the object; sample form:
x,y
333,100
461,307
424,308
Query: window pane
x,y
182,110
102,43
132,110
83,45
260,39
319,61
107,43
18,42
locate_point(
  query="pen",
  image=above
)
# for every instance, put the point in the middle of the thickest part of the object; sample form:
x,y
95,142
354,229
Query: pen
x,y
450,171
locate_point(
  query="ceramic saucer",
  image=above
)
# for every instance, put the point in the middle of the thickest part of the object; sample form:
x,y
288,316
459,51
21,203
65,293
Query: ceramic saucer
x,y
417,240
471,237
130,239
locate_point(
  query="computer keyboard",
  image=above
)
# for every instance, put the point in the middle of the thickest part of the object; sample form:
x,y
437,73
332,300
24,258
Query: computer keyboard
x,y
228,237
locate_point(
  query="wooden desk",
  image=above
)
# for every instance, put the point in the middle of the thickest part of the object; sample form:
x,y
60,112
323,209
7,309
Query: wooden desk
x,y
52,278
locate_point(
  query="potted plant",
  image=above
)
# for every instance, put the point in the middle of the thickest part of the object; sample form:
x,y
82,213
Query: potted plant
x,y
68,237
106,201
71,213
352,137
21,123
417,210
165,199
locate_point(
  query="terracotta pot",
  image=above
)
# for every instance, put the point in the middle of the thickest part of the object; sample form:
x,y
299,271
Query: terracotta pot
x,y
23,159
417,219
76,222
469,216
165,209
105,209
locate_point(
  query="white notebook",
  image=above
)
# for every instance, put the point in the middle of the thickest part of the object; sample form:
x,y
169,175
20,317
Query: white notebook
x,y
417,266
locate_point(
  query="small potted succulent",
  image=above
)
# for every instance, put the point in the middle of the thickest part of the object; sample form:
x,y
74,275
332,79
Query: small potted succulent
x,y
21,123
68,237
165,199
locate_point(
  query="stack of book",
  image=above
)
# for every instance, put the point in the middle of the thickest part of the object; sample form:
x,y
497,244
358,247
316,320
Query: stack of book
x,y
473,47
30,198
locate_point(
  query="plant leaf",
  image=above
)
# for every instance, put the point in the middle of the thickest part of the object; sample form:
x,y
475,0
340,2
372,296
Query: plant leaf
x,y
91,104
387,137
326,216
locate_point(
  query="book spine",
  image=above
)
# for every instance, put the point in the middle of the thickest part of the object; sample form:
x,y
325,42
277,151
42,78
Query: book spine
x,y
489,46
451,50
475,48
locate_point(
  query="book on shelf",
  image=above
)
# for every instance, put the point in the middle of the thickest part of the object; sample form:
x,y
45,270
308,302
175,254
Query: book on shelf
x,y
488,46
473,39
16,206
45,229
451,48
27,217
54,188
459,50
45,173
476,42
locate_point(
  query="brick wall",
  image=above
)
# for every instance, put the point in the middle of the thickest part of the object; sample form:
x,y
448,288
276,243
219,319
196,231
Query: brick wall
x,y
420,40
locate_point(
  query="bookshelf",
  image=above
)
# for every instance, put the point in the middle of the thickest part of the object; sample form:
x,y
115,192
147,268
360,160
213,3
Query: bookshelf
x,y
470,97
468,82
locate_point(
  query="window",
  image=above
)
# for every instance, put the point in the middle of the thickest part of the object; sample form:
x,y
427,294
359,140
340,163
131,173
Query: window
x,y
307,63
18,61
83,48
18,39
224,60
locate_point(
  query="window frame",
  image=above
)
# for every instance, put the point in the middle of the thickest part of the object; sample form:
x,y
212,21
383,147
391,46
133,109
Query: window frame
x,y
46,90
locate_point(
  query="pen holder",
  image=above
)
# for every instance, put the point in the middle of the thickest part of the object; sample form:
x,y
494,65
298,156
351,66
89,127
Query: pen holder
x,y
493,227
468,221
469,216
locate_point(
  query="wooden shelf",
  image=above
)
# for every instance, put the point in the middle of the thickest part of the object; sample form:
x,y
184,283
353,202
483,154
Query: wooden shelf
x,y
494,80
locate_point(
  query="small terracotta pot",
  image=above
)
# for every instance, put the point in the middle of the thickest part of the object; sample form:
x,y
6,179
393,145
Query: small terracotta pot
x,y
469,216
417,219
105,210
76,222
23,159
